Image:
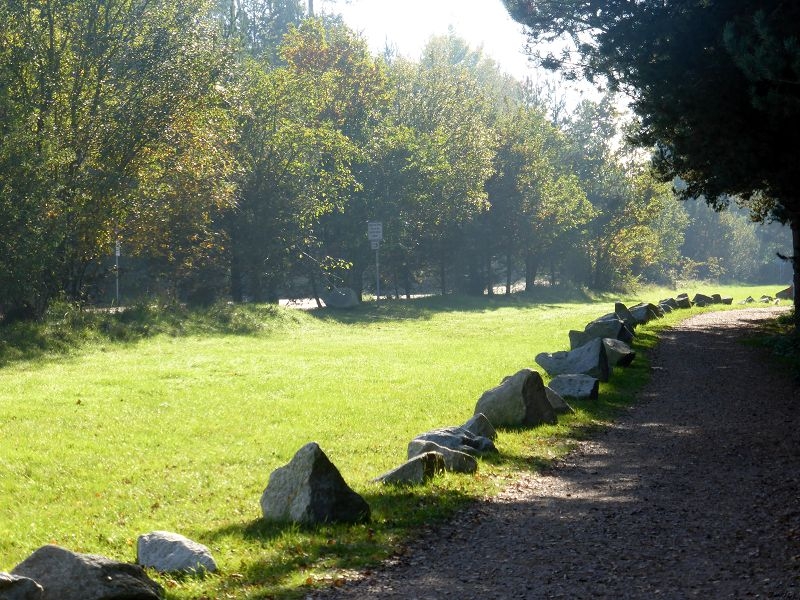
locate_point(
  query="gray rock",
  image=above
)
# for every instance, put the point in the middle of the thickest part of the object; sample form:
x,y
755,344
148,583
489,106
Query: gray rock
x,y
786,293
454,460
575,387
667,308
702,300
415,471
168,552
683,301
610,326
519,401
589,359
16,587
748,300
645,312
627,317
557,402
618,353
717,298
480,426
578,338
65,575
310,490
455,438
340,297
727,300
671,302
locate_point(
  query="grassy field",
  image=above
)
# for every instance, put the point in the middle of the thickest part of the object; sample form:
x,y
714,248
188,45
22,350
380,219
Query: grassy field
x,y
117,425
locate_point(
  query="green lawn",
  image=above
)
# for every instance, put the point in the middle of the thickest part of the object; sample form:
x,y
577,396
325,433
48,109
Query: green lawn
x,y
125,430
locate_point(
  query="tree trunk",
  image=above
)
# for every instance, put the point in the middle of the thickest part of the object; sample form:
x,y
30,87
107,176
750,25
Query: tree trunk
x,y
531,269
794,223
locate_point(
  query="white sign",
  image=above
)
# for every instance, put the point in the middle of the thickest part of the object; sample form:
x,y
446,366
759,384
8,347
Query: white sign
x,y
375,244
374,231
118,248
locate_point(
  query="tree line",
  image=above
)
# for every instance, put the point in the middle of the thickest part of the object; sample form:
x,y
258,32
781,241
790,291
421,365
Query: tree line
x,y
237,149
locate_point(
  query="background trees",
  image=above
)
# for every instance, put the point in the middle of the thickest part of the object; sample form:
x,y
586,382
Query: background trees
x,y
714,84
237,150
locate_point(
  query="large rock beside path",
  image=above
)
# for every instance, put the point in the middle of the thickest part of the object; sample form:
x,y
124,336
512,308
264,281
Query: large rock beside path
x,y
589,359
454,438
519,401
16,587
575,387
618,353
610,326
454,460
65,575
310,490
169,552
414,471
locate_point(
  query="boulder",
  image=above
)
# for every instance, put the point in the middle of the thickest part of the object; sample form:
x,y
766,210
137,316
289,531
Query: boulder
x,y
609,326
618,353
480,426
340,297
455,438
748,300
557,402
168,552
519,401
727,300
415,471
578,338
65,575
16,587
765,299
575,387
665,307
458,462
702,300
717,298
645,312
627,317
671,302
683,301
310,490
589,359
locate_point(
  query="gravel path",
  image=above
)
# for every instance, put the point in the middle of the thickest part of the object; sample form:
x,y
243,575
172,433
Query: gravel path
x,y
695,492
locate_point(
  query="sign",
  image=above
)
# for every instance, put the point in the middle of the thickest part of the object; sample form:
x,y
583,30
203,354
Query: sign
x,y
117,249
375,244
375,231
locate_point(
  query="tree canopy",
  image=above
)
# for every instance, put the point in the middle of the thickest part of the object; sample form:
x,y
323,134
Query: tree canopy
x,y
715,85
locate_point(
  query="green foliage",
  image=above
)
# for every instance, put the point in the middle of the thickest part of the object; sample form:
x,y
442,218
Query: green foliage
x,y
714,84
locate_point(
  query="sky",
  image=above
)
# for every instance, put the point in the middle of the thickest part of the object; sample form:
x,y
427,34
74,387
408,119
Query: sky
x,y
407,25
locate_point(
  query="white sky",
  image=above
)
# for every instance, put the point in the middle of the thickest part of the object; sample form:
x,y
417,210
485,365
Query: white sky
x,y
409,24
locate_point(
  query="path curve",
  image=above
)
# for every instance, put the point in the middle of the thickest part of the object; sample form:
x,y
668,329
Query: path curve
x,y
694,492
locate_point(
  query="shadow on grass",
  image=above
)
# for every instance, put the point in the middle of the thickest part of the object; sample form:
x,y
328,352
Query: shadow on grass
x,y
424,308
291,550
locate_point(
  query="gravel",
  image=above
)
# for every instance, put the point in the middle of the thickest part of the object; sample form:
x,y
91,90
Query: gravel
x,y
694,492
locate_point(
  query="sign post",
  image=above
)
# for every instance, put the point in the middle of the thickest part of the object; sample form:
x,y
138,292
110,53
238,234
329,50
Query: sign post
x,y
117,252
375,236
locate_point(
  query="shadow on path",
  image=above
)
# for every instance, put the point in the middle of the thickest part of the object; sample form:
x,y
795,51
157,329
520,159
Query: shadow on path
x,y
694,492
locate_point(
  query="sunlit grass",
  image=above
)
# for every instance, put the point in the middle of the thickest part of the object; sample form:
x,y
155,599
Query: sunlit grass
x,y
175,420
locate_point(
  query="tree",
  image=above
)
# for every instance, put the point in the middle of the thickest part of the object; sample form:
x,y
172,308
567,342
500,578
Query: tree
x,y
715,85
443,103
94,92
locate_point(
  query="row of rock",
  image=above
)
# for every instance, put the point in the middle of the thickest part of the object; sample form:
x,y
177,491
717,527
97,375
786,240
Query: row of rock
x,y
54,573
310,489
